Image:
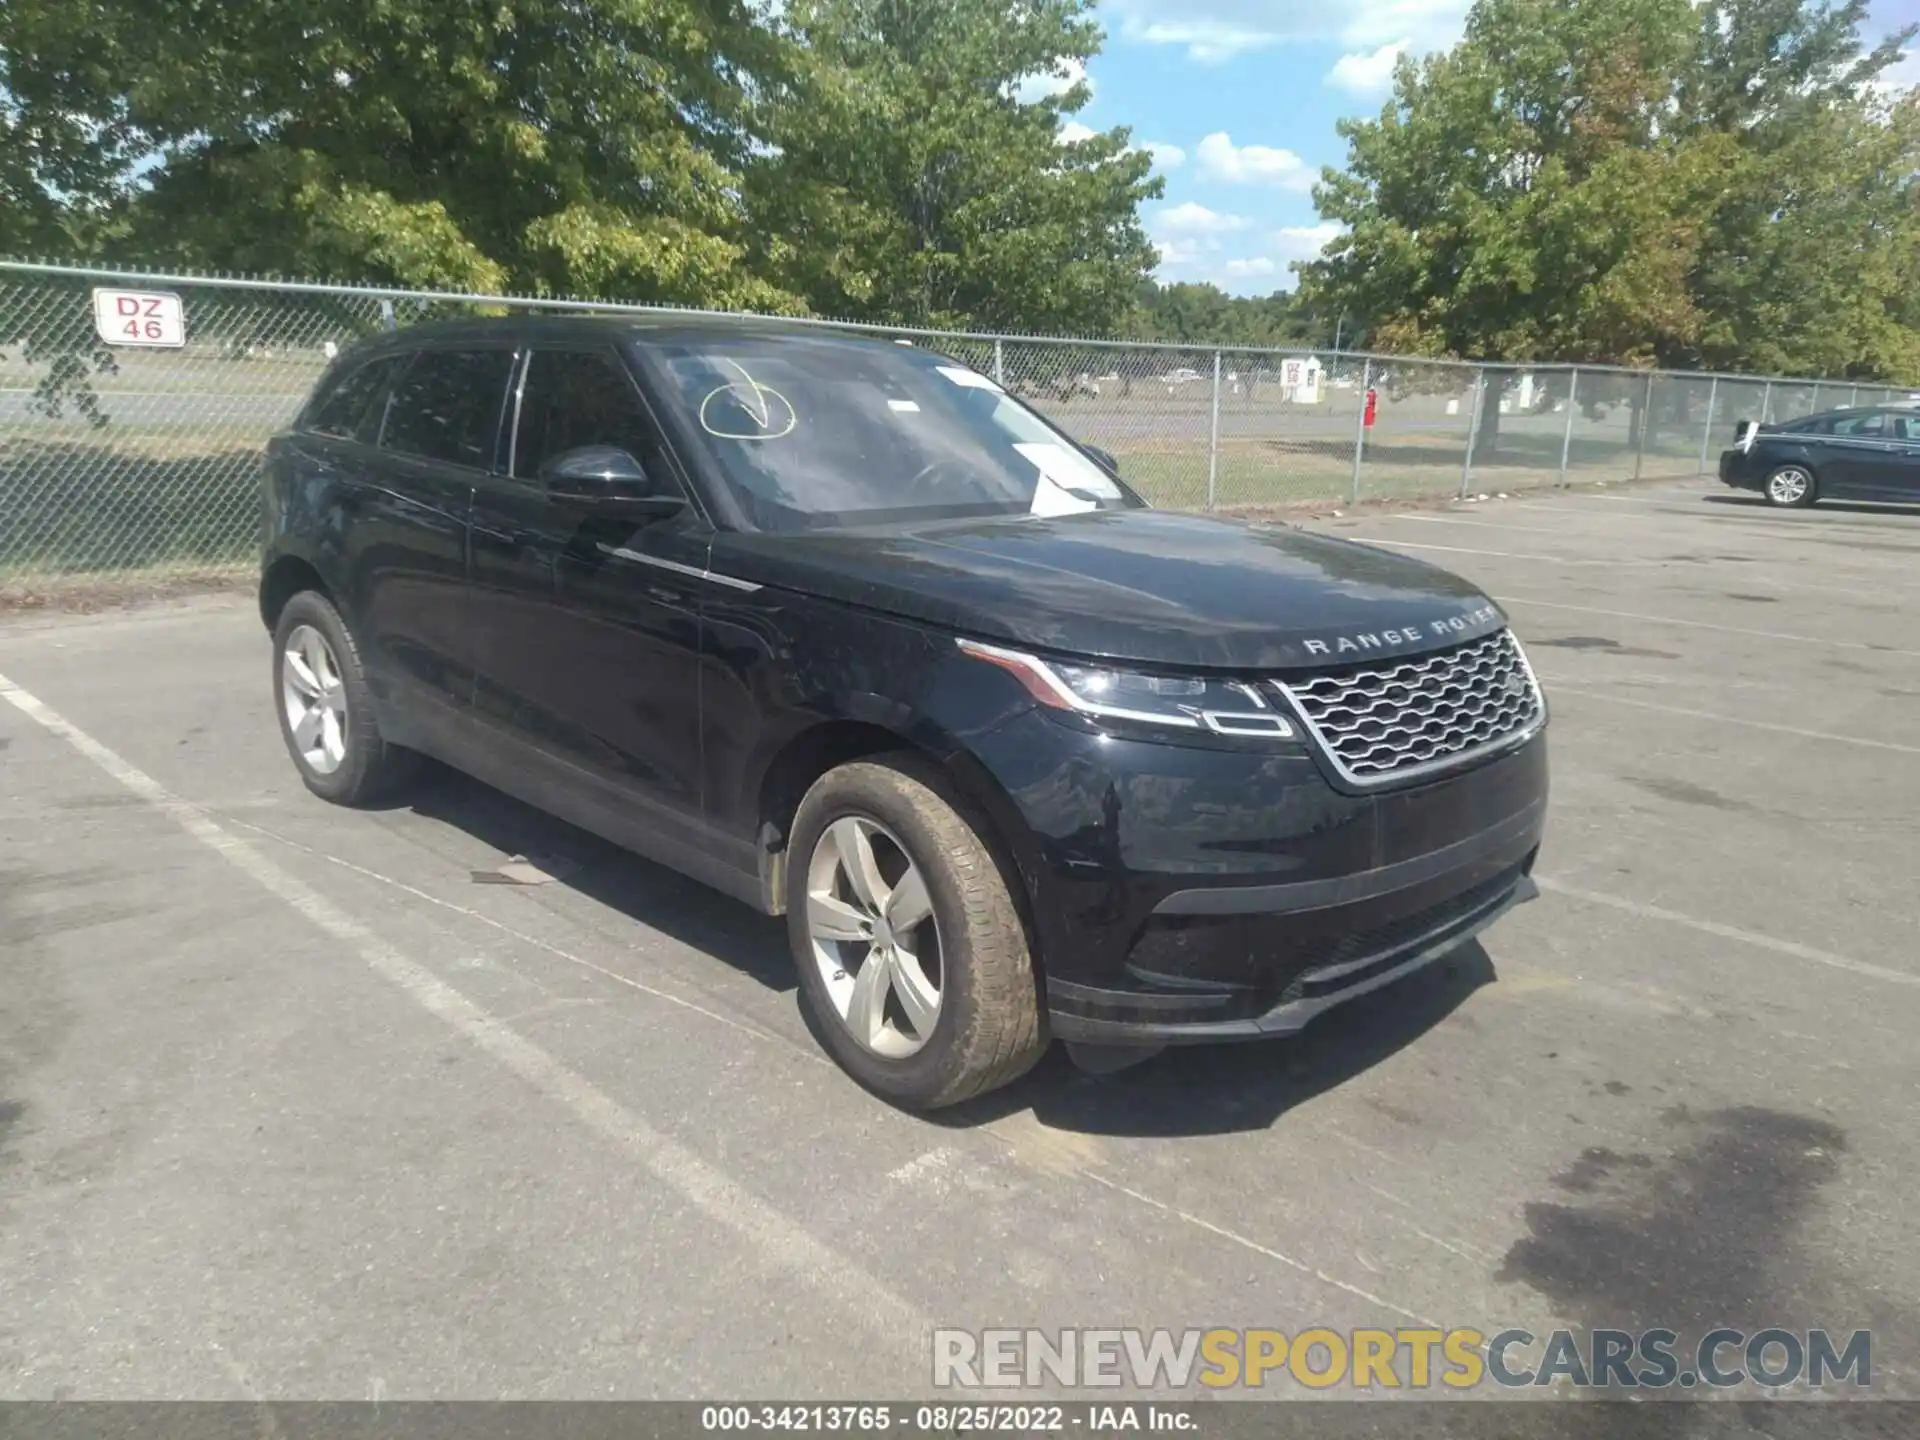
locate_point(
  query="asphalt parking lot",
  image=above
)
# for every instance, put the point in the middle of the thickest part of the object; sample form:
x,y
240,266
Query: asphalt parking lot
x,y
294,1106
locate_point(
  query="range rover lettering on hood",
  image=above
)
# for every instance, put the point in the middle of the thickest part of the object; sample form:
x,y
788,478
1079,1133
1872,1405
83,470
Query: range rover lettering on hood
x,y
1450,628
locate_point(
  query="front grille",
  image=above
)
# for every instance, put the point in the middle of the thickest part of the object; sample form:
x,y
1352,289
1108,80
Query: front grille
x,y
1389,722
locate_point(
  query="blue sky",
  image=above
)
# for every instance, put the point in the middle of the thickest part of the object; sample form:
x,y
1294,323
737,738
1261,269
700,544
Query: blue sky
x,y
1238,100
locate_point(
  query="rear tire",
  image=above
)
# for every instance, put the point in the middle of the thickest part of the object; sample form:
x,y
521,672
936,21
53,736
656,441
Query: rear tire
x,y
1791,487
961,1012
326,711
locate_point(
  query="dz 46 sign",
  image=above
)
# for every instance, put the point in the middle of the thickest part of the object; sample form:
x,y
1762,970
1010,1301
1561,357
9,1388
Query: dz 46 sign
x,y
152,318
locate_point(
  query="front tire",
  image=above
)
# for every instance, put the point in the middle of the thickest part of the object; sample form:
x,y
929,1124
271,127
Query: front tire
x,y
912,956
326,711
1791,487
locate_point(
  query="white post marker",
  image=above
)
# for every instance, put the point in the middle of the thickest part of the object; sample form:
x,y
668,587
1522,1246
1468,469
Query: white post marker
x,y
155,319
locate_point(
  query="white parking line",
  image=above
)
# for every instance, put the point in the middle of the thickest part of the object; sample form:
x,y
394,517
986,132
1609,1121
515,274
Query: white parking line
x,y
1477,524
534,941
1259,1249
1634,499
1753,515
1747,578
781,1241
1560,687
1501,554
1790,948
1510,599
892,1322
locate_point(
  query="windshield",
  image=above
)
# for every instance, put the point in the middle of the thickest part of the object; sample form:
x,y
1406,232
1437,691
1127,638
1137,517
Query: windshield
x,y
821,432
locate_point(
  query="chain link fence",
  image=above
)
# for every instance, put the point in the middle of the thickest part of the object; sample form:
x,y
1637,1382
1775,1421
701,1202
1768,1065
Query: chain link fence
x,y
118,460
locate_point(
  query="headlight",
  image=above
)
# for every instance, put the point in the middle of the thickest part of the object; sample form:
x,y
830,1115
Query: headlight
x,y
1223,707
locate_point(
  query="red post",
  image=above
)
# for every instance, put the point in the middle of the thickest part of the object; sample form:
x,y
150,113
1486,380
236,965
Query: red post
x,y
1373,408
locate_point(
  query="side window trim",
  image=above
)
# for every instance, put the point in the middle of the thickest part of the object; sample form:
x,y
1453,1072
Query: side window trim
x,y
523,367
345,371
613,356
401,369
412,357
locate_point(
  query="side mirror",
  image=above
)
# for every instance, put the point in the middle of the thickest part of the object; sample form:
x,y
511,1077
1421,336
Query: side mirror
x,y
604,479
1103,459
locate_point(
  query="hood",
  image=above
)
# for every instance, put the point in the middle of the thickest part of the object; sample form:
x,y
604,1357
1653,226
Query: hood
x,y
1150,586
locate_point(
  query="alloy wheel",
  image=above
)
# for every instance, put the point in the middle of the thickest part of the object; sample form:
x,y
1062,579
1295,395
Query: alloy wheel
x,y
874,936
315,698
1788,487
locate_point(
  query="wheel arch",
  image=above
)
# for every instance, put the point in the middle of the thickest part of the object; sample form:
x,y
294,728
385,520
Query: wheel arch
x,y
285,577
824,746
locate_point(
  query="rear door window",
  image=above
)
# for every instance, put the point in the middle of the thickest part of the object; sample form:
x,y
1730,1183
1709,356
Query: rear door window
x,y
350,410
1862,427
446,407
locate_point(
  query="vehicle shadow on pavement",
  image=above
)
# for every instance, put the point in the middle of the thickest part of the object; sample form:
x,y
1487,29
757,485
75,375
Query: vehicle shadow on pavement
x,y
644,892
1186,1090
1851,507
1223,1089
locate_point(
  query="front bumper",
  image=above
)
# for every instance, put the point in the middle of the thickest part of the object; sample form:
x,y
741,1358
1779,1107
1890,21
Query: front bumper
x,y
1186,895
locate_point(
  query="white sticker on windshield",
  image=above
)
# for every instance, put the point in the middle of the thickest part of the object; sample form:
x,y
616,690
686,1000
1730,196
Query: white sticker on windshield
x,y
1069,482
968,379
903,407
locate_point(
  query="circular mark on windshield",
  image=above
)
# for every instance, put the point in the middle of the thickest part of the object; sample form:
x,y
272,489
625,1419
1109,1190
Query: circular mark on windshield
x,y
747,410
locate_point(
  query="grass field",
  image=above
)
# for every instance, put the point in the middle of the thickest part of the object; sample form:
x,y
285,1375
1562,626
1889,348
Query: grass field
x,y
171,483
1280,472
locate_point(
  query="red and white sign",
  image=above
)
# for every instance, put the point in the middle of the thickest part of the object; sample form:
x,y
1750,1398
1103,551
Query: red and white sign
x,y
152,318
1301,380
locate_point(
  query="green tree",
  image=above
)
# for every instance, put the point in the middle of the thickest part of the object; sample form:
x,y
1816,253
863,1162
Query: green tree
x,y
907,180
1636,182
64,147
1820,156
551,145
1203,314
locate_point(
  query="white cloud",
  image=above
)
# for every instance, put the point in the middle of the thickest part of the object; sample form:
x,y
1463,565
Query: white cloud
x,y
1305,242
1192,219
1174,252
1422,25
1248,268
1165,157
1072,132
1368,73
1044,85
1220,159
1217,30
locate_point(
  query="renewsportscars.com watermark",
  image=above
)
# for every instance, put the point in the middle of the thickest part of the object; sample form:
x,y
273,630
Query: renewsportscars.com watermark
x,y
1412,1359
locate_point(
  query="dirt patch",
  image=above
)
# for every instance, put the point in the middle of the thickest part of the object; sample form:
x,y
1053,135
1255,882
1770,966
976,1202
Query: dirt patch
x,y
1685,792
1606,645
1708,1234
87,594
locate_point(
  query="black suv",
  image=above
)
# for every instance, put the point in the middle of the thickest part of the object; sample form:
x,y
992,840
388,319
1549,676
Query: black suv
x,y
1865,454
840,628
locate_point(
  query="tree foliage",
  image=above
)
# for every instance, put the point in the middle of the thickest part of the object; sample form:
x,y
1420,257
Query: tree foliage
x,y
1717,183
551,145
907,180
1206,315
860,158
1637,182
